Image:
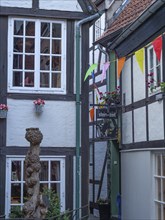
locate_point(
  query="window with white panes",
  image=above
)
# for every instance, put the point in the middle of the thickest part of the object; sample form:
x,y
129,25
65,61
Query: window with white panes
x,y
98,29
37,50
154,70
159,177
52,176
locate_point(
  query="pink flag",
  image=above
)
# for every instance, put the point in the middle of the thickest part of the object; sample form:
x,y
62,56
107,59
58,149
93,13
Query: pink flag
x,y
105,67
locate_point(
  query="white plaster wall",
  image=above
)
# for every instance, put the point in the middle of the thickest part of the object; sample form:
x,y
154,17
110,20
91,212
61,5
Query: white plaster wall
x,y
56,122
127,127
16,3
138,81
126,81
136,185
65,5
140,124
156,127
100,151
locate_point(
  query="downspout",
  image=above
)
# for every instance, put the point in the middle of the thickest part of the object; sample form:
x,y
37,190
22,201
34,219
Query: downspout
x,y
78,36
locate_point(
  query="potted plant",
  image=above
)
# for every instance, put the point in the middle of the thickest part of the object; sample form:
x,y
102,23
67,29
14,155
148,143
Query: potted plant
x,y
39,103
111,98
162,86
104,208
3,110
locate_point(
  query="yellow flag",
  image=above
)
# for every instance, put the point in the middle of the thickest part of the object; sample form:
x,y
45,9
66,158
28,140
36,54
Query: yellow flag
x,y
140,58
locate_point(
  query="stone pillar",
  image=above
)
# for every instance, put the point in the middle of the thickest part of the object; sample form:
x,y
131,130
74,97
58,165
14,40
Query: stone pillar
x,y
34,207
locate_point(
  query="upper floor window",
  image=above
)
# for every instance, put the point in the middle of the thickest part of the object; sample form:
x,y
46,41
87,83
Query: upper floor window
x,y
97,29
154,70
37,50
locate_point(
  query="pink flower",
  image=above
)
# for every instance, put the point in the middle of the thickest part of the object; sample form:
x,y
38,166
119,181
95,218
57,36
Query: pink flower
x,y
39,102
3,107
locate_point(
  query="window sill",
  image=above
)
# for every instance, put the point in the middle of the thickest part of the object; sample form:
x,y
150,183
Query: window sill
x,y
155,92
36,91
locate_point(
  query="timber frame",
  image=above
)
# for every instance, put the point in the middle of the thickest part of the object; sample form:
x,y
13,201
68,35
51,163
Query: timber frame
x,y
68,152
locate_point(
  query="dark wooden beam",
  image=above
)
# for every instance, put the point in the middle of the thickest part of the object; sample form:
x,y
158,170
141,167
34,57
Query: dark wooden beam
x,y
70,55
3,99
15,150
35,4
32,96
144,144
35,12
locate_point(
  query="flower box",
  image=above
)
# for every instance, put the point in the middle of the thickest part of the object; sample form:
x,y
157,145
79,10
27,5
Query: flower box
x,y
3,110
3,113
39,103
38,108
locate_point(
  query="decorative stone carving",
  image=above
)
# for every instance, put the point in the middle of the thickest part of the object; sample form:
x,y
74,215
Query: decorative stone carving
x,y
34,207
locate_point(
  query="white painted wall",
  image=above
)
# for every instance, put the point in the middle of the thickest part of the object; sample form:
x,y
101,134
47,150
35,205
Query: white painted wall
x,y
127,127
126,81
100,151
65,5
138,81
56,122
16,3
156,127
136,187
140,124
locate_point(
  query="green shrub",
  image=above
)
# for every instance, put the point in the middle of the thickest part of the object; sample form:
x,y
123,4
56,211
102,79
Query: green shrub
x,y
16,212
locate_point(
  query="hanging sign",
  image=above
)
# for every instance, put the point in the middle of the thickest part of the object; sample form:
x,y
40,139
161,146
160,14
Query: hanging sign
x,y
106,113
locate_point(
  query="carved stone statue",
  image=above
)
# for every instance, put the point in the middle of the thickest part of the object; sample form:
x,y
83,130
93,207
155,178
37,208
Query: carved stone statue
x,y
34,208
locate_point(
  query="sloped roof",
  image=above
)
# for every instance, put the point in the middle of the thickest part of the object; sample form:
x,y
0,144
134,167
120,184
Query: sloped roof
x,y
129,14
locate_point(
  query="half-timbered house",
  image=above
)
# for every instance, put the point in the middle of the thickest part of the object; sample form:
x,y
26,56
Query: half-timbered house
x,y
38,56
136,35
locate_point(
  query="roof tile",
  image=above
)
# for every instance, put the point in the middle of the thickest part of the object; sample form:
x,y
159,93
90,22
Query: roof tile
x,y
130,13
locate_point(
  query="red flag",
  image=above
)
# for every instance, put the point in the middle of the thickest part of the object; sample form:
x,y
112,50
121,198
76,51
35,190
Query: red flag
x,y
157,45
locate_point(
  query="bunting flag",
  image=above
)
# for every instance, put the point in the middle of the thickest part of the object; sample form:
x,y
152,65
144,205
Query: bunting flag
x,y
105,67
90,70
97,100
120,65
91,112
140,58
157,45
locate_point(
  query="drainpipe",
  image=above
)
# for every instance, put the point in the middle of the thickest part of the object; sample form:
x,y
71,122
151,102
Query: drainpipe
x,y
78,36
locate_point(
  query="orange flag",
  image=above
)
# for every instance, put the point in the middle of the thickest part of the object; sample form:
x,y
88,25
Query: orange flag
x,y
157,45
120,65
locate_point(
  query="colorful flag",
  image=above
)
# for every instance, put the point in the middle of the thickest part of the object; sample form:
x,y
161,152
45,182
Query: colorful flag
x,y
120,65
157,45
90,70
105,67
140,58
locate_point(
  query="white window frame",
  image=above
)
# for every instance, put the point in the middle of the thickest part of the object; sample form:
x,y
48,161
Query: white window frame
x,y
98,29
9,160
161,177
153,70
36,88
